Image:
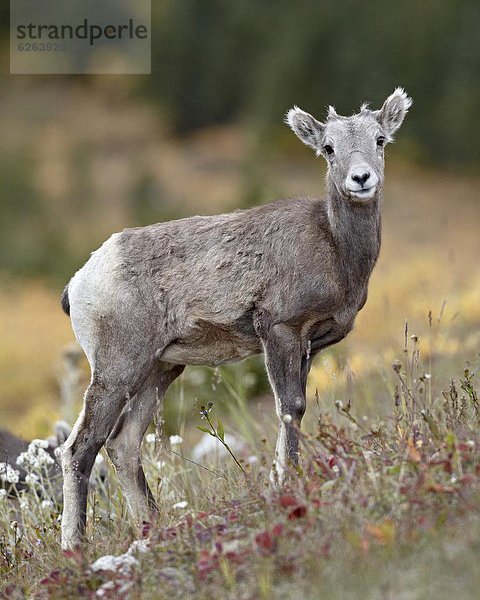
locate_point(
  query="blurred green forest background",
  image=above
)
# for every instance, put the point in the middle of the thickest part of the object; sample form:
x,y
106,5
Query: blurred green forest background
x,y
84,156
245,62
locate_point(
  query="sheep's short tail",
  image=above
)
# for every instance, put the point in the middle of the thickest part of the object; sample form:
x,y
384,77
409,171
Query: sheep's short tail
x,y
65,302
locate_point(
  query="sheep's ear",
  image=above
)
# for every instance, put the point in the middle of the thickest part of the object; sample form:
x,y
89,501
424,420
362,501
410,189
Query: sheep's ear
x,y
306,127
393,111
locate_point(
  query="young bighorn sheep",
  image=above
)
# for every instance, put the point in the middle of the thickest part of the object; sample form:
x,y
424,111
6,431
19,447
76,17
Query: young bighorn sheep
x,y
12,446
17,454
286,279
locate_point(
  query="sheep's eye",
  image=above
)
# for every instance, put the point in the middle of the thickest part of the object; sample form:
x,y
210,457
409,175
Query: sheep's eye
x,y
328,149
380,141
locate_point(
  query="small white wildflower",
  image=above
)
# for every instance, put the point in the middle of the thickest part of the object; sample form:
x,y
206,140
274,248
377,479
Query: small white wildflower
x,y
121,564
3,493
339,404
428,376
46,504
287,418
8,474
105,588
364,418
471,443
21,459
230,546
453,479
150,438
34,444
43,458
336,469
23,504
141,546
31,479
175,440
35,456
181,504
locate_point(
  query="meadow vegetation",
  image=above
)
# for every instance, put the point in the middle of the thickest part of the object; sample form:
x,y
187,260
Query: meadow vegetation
x,y
384,503
375,510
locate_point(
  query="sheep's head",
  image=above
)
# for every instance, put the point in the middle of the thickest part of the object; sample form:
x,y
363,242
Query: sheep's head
x,y
353,146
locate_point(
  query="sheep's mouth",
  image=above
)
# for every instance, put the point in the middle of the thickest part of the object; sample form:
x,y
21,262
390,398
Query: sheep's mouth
x,y
363,193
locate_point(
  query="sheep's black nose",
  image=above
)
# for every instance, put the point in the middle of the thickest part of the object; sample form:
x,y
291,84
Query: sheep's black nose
x,y
361,179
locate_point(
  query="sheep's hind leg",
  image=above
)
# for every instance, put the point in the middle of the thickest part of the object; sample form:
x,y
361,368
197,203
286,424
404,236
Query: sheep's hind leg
x,y
105,398
124,443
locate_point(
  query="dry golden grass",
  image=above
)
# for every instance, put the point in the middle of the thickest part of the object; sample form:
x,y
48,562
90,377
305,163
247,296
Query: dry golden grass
x,y
34,331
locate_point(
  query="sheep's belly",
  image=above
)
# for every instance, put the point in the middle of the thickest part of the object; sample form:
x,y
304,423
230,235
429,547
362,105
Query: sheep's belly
x,y
213,354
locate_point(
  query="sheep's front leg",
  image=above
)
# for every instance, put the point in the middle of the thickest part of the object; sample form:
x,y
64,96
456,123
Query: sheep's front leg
x,y
283,360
